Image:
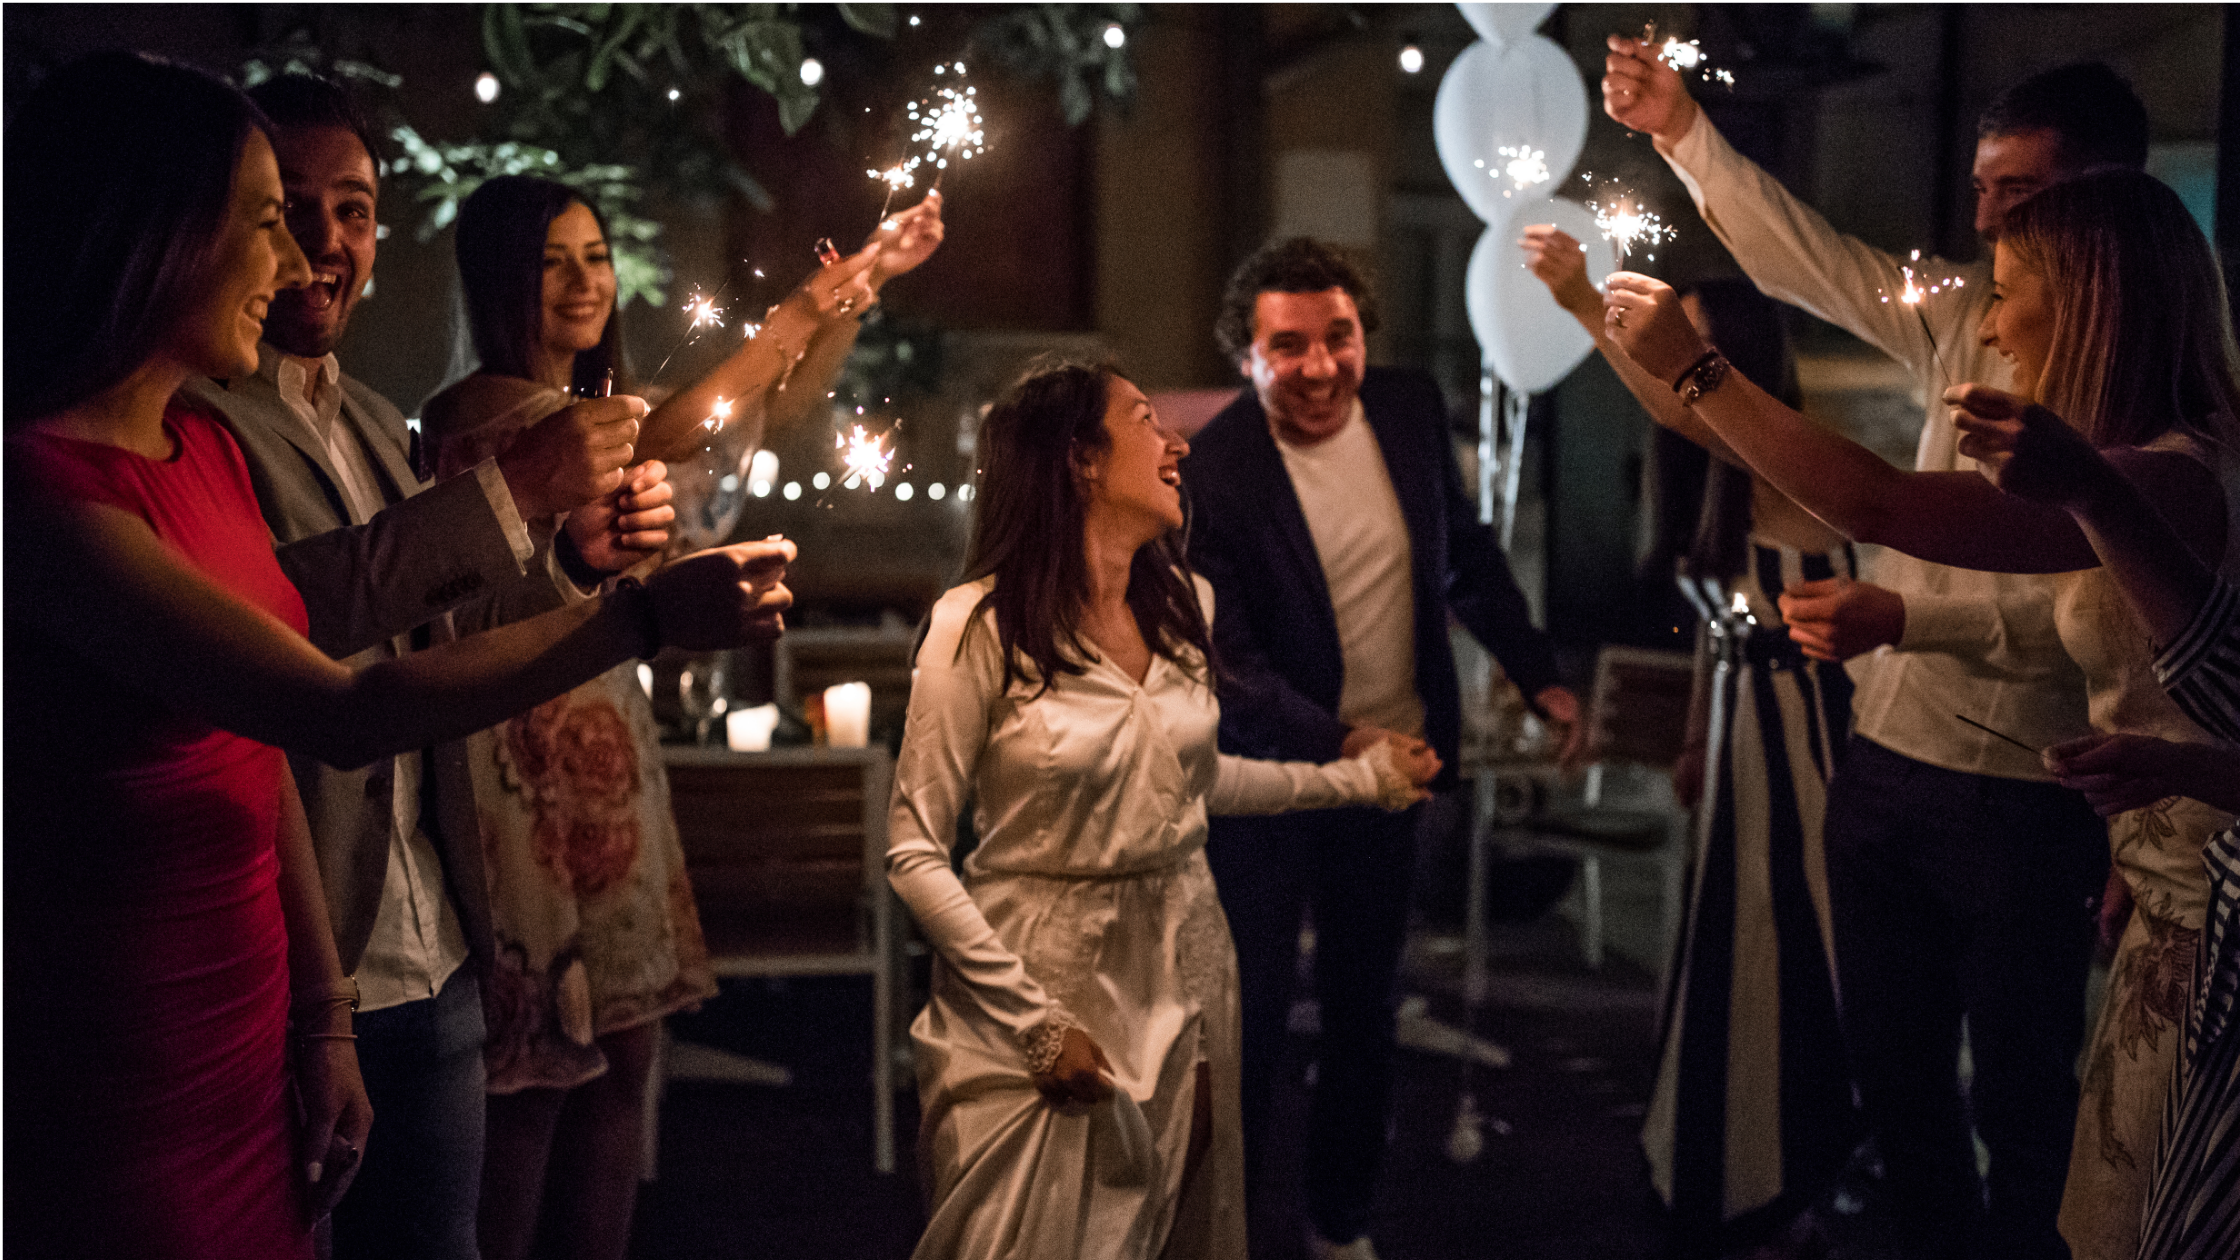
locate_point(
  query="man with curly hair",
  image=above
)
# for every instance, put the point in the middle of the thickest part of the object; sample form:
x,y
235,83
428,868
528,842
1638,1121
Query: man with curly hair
x,y
1330,517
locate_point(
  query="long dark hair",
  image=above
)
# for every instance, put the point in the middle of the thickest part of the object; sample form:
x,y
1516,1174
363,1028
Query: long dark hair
x,y
1028,519
1702,504
122,169
2142,334
500,248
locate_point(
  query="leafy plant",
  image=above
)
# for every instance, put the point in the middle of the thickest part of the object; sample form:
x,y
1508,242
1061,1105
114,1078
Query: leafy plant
x,y
447,174
592,80
1067,43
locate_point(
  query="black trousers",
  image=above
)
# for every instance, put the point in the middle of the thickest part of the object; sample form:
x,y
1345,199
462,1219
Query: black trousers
x,y
1353,867
1964,896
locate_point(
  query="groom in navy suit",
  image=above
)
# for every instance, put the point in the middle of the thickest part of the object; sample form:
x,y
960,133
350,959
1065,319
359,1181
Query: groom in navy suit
x,y
1330,517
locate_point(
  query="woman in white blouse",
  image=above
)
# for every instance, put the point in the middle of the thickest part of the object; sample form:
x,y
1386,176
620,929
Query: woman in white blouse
x,y
1077,1062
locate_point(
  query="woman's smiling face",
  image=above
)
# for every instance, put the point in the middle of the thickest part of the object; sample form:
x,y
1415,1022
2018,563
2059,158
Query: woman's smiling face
x,y
1138,475
579,284
2019,322
254,259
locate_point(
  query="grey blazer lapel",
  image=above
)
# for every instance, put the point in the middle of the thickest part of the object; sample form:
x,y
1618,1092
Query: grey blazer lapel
x,y
391,452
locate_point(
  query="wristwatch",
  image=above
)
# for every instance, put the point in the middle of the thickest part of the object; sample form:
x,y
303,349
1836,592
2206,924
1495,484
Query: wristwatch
x,y
1703,376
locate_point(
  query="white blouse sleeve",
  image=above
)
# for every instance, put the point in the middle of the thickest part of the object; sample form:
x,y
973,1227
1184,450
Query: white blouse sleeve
x,y
1243,785
951,696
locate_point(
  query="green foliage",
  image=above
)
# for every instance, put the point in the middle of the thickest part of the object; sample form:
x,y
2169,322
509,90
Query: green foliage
x,y
297,54
1065,43
592,80
444,175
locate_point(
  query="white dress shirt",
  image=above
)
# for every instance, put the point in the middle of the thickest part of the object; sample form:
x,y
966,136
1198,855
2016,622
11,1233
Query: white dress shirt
x,y
1979,644
417,940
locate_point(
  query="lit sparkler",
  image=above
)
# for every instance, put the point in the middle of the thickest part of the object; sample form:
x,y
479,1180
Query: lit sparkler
x,y
865,456
719,415
1913,294
1629,227
1526,167
1687,55
948,122
704,312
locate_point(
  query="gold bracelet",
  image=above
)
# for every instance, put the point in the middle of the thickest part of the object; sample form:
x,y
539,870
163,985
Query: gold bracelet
x,y
345,991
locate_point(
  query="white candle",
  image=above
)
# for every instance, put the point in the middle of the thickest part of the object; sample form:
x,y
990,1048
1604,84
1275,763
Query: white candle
x,y
748,730
847,714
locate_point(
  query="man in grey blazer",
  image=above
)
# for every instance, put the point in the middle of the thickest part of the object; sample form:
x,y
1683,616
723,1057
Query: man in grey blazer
x,y
387,564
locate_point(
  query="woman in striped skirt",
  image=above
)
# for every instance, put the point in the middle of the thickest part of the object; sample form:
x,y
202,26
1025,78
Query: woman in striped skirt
x,y
1752,1115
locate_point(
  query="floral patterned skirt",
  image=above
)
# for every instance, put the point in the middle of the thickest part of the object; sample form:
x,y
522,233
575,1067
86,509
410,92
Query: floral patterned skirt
x,y
593,916
2134,1049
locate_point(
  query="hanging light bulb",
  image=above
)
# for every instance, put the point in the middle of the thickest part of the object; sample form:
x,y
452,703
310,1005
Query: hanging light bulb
x,y
1115,37
486,87
1411,58
812,72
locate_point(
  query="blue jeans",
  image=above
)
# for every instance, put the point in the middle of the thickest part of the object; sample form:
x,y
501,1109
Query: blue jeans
x,y
416,1193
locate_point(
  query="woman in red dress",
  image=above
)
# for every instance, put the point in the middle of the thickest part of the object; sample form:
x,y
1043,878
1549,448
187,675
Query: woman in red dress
x,y
165,928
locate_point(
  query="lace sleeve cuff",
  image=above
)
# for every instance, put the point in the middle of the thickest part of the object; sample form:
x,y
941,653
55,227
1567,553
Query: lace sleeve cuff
x,y
1040,1044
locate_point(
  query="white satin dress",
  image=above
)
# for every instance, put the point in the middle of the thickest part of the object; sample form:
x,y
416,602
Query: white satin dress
x,y
1087,904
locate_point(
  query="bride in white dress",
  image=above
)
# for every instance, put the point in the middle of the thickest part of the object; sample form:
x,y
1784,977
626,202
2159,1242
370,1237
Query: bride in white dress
x,y
1077,1062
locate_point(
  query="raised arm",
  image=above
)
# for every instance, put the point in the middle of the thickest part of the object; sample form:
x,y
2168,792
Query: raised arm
x,y
2030,452
1786,247
1954,518
1559,262
165,629
784,371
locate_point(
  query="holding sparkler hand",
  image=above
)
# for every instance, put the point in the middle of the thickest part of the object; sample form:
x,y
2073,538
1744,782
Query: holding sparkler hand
x,y
907,239
617,531
2027,450
1643,316
716,599
1559,261
1644,92
572,457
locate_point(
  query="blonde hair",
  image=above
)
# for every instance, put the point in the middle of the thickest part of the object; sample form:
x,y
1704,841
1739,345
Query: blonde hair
x,y
2142,334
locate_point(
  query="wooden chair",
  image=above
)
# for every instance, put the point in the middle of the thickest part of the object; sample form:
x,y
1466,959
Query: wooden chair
x,y
1637,717
787,853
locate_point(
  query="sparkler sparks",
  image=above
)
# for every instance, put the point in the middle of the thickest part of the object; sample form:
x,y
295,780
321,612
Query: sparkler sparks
x,y
899,176
948,123
1526,167
719,414
1913,294
704,312
1629,227
865,456
1687,55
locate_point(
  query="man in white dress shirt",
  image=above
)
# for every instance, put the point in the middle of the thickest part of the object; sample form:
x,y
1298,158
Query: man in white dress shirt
x,y
1959,875
381,562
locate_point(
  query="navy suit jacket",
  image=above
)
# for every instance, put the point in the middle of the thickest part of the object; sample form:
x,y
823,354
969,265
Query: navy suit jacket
x,y
1275,633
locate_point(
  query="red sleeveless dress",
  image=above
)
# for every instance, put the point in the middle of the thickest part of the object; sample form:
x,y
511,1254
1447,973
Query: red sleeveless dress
x,y
147,976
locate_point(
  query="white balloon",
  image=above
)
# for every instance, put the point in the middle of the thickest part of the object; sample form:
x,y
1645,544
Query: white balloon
x,y
1526,96
1530,342
1505,23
